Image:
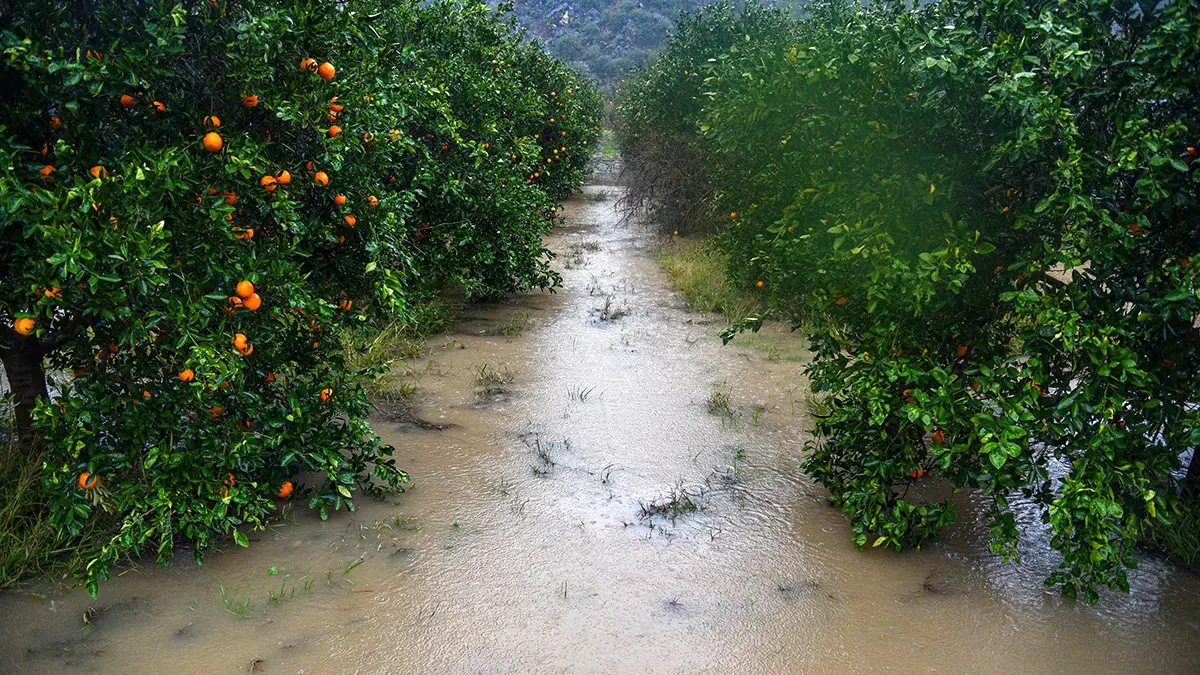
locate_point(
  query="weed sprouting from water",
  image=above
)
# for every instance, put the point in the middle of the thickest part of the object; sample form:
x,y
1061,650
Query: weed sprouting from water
x,y
718,403
491,381
680,501
543,463
487,375
515,325
730,473
610,311
580,394
237,606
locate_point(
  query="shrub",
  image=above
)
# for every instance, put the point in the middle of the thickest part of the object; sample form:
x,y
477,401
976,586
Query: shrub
x,y
985,215
200,200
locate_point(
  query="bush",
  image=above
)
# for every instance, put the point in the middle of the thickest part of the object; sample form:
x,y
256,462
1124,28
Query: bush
x,y
198,209
985,215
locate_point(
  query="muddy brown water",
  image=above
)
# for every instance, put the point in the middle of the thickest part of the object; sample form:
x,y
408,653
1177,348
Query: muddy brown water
x,y
520,546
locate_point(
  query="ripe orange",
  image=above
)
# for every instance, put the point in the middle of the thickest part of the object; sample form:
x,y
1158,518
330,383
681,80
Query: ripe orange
x,y
248,233
916,473
321,178
285,490
326,71
283,177
87,481
335,131
244,289
127,101
268,183
733,215
334,106
960,351
308,166
246,350
239,340
98,172
215,412
759,284
326,392
938,437
308,64
230,198
212,141
270,377
187,375
47,170
24,325
346,304
339,199
250,100
55,122
212,121
53,292
159,106
253,302
372,201
350,220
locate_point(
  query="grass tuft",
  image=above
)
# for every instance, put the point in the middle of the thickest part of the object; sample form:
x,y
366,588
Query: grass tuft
x,y
697,269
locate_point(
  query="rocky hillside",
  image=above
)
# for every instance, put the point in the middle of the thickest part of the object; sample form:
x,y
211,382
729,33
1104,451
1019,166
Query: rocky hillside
x,y
602,38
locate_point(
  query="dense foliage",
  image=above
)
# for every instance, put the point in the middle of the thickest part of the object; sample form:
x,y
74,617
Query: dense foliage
x,y
985,215
198,197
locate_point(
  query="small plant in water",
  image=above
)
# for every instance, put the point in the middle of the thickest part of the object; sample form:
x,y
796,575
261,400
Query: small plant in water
x,y
678,502
487,375
237,606
718,403
610,311
515,325
579,393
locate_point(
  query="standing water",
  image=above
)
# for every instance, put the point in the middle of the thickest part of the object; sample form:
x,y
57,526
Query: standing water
x,y
600,486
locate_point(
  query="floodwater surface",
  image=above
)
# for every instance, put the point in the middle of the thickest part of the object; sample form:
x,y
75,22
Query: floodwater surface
x,y
612,490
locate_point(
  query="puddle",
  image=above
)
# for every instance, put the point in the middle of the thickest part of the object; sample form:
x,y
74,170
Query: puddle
x,y
599,486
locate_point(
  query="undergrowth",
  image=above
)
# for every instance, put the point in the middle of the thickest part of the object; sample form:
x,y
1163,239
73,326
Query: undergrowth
x,y
697,270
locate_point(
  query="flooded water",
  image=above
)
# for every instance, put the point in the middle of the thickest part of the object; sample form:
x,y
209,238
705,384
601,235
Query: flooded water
x,y
523,547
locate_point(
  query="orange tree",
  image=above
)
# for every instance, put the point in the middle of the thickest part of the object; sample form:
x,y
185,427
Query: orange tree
x,y
668,167
475,230
985,216
197,198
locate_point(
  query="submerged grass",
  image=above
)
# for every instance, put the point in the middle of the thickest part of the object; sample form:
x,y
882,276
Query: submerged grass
x,y
380,354
697,269
1179,540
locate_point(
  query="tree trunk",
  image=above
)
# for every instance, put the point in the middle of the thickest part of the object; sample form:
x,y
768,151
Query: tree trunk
x,y
23,366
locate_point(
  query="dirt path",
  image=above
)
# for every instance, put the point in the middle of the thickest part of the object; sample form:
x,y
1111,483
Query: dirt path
x,y
523,544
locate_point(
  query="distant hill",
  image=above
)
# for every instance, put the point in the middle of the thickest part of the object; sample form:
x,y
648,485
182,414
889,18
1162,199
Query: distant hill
x,y
601,38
